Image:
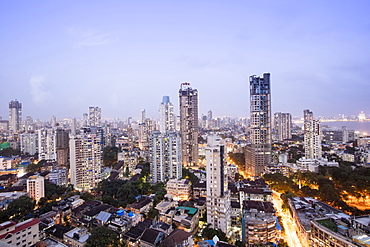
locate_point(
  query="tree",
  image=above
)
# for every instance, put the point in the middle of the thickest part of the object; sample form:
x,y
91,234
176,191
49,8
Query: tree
x,y
9,152
53,191
110,155
238,177
152,213
189,176
103,236
20,207
238,159
209,233
35,167
86,196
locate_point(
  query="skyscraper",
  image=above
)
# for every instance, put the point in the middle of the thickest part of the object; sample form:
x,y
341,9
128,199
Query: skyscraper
x,y
166,116
29,143
15,116
165,156
258,154
95,117
47,144
189,124
62,146
312,136
86,158
143,116
282,126
218,203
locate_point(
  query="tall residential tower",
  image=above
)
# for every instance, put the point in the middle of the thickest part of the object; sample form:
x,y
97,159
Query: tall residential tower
x,y
15,116
95,117
165,156
86,158
282,126
166,116
189,124
312,136
218,197
258,154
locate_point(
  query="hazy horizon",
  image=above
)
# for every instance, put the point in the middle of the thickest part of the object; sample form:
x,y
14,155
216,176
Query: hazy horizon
x,y
60,57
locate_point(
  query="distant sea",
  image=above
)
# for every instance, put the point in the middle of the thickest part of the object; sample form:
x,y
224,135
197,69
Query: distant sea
x,y
351,125
362,127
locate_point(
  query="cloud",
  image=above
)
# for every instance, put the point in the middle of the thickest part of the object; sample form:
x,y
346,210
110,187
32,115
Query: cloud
x,y
38,93
89,37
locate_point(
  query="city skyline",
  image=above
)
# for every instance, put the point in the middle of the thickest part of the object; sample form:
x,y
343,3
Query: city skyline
x,y
61,58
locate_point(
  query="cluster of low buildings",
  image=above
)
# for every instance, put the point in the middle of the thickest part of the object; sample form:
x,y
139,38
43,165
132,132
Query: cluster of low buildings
x,y
319,224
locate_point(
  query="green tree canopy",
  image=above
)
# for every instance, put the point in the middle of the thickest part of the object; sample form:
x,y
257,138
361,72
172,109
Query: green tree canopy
x,y
103,236
209,233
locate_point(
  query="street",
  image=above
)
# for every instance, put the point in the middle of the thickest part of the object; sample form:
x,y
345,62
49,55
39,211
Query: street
x,y
290,234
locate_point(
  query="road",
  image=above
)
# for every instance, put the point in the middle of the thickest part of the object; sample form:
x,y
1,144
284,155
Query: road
x,y
290,236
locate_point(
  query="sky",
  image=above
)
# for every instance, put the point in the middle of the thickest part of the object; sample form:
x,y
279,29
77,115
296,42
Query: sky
x,y
60,57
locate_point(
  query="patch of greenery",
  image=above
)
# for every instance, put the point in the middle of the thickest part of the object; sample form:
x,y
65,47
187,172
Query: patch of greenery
x,y
328,224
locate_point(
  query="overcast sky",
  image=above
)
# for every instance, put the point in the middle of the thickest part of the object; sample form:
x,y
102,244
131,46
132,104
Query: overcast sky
x,y
60,57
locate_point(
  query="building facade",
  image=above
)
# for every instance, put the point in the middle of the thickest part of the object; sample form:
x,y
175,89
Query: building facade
x,y
29,143
166,116
180,189
23,234
165,156
95,117
218,196
62,146
36,187
282,126
189,128
312,136
86,158
47,144
15,116
258,154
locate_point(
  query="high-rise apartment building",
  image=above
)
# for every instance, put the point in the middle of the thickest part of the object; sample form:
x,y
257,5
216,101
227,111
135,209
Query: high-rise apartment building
x,y
35,187
165,156
218,197
209,119
258,154
282,126
15,116
29,143
312,136
47,144
59,176
62,146
86,158
95,117
166,116
189,128
143,116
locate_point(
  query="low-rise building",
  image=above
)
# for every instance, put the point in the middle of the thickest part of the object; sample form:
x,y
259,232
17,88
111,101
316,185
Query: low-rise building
x,y
142,205
319,224
178,238
35,187
324,232
151,238
76,237
59,176
200,189
7,197
259,222
123,220
180,189
22,234
186,218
